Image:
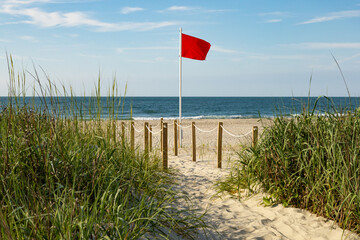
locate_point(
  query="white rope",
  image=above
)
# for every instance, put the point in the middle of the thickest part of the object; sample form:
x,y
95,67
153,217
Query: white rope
x,y
139,131
182,126
233,135
152,131
206,131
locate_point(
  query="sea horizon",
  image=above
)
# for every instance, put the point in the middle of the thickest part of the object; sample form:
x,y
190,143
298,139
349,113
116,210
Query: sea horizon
x,y
150,108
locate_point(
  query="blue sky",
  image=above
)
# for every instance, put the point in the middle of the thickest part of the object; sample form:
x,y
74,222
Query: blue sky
x,y
259,47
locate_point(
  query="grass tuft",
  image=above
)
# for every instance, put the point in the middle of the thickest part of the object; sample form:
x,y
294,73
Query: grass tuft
x,y
310,161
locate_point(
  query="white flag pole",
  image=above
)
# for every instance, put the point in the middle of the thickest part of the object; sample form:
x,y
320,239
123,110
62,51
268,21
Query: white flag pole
x,y
180,73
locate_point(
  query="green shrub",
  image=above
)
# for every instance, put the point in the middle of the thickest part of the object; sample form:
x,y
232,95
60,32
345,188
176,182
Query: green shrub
x,y
309,161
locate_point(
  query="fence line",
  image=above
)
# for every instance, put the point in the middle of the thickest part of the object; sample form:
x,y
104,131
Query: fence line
x,y
206,131
153,131
138,131
180,126
165,141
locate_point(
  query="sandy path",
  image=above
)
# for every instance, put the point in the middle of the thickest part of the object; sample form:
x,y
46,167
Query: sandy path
x,y
249,219
231,218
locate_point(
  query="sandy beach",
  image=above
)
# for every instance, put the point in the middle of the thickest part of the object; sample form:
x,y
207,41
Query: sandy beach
x,y
229,217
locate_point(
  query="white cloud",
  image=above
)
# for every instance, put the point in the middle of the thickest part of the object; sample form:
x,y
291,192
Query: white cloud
x,y
41,18
127,10
23,2
351,58
135,26
219,10
180,8
273,20
334,16
274,17
322,45
26,2
199,10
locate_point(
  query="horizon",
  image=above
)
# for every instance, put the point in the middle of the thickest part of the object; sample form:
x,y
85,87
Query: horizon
x,y
104,96
258,48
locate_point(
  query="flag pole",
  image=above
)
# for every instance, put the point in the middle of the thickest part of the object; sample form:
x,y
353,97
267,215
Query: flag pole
x,y
180,78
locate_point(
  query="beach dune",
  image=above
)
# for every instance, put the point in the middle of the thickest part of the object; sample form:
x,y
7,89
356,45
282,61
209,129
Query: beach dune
x,y
229,217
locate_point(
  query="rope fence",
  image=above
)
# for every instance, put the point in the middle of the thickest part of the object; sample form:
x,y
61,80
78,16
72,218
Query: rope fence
x,y
154,133
183,127
206,131
148,133
234,135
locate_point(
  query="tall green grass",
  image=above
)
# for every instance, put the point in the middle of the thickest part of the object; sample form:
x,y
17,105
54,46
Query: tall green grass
x,y
309,161
65,178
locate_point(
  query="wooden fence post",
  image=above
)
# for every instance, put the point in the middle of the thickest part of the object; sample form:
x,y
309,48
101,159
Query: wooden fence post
x,y
132,136
150,138
161,135
220,144
193,131
165,147
146,138
255,131
175,139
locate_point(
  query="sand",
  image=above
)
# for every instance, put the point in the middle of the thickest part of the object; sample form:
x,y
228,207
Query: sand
x,y
229,217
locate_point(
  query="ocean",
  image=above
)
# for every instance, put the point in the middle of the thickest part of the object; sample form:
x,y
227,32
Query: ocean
x,y
192,107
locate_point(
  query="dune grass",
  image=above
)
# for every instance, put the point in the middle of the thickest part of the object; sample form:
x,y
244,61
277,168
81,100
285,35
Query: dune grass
x,y
62,177
309,161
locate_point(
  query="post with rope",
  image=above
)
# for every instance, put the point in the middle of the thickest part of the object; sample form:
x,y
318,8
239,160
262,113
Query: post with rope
x,y
161,135
146,138
220,144
150,138
132,136
255,132
164,147
175,139
193,130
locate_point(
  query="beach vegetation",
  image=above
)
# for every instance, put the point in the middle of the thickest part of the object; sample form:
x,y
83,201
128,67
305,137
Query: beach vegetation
x,y
66,173
310,161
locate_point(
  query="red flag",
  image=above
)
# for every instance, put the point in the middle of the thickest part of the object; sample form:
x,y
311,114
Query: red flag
x,y
194,48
